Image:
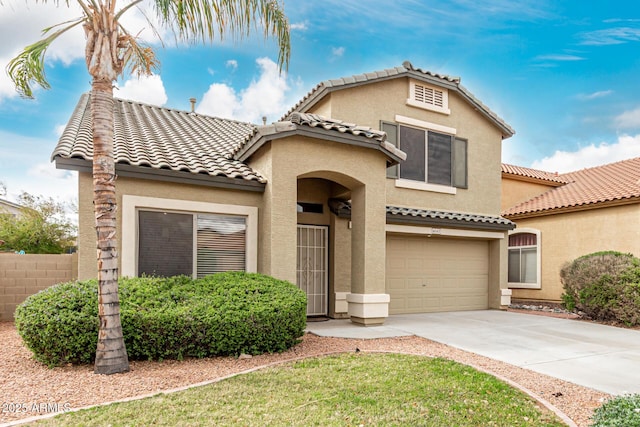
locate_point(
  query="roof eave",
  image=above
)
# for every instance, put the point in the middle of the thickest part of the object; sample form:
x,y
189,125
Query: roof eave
x,y
533,180
323,90
446,222
167,175
259,140
576,208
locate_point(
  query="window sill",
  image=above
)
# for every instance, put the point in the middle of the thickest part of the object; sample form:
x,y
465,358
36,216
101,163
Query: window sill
x,y
524,285
423,186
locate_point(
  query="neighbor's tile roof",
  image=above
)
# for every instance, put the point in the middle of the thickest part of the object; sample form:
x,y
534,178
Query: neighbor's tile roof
x,y
405,70
162,138
613,182
554,177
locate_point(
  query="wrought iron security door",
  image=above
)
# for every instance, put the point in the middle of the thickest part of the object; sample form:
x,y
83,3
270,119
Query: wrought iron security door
x,y
312,267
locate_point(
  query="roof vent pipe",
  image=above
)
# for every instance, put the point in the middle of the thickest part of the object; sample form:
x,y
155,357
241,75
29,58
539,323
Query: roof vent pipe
x,y
264,120
193,104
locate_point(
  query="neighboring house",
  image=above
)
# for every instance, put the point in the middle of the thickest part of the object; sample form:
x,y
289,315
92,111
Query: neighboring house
x,y
561,217
378,193
7,207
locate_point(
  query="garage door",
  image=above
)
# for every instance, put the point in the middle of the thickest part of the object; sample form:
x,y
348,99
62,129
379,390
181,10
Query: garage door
x,y
429,274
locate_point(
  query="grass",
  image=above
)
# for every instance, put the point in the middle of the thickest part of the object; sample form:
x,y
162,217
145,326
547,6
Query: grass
x,y
348,390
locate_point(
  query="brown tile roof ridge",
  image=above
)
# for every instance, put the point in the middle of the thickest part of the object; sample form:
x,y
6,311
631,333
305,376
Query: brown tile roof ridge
x,y
406,69
617,182
162,138
533,173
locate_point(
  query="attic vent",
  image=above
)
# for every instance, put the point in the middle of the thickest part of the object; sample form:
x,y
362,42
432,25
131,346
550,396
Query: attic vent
x,y
428,97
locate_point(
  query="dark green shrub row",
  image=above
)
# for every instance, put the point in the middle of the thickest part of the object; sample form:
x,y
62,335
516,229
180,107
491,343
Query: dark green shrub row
x,y
604,285
167,318
621,411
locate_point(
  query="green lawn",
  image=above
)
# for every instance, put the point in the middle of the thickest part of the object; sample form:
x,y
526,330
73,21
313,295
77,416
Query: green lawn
x,y
347,390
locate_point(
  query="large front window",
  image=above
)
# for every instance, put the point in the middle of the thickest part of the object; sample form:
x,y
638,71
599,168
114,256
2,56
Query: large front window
x,y
432,157
194,244
523,269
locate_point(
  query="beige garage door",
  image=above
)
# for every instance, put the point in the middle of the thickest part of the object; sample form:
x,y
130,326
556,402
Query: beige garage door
x,y
429,274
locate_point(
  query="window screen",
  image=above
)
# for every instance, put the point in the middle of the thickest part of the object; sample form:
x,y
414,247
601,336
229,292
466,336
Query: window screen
x,y
439,160
413,144
221,244
165,243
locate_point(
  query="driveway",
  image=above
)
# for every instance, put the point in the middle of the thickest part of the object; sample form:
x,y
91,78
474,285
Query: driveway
x,y
602,357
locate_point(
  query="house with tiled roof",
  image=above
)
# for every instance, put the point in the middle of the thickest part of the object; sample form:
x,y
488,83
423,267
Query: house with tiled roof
x,y
10,208
377,193
561,217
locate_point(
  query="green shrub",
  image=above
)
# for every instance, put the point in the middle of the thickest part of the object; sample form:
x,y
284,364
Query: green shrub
x,y
621,411
604,285
167,318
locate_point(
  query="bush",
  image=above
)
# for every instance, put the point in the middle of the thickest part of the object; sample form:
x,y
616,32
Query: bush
x,y
621,411
604,285
167,318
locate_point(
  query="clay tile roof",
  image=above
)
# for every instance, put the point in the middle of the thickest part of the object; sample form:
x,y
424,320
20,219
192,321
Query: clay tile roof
x,y
162,138
535,174
403,215
614,182
371,138
405,70
314,120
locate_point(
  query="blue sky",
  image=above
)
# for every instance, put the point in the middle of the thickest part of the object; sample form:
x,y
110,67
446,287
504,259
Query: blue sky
x,y
564,75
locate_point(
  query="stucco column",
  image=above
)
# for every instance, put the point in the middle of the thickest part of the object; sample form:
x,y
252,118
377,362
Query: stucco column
x,y
368,302
280,226
499,293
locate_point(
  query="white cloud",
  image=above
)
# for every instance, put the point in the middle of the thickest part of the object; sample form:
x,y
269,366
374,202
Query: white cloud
x,y
628,119
21,24
337,52
232,63
626,147
263,97
560,57
610,36
595,95
302,26
146,89
43,179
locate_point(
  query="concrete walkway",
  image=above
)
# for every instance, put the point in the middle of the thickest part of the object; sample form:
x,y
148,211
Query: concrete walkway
x,y
601,357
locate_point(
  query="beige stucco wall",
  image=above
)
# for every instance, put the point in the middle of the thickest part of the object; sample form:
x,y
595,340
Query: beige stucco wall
x,y
369,104
290,161
87,267
568,236
516,191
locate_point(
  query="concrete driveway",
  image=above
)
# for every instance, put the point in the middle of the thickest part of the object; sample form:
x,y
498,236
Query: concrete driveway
x,y
602,357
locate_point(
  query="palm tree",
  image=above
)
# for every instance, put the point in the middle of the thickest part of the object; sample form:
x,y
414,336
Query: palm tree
x,y
110,51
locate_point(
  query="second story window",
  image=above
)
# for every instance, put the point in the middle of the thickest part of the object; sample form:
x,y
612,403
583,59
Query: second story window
x,y
432,157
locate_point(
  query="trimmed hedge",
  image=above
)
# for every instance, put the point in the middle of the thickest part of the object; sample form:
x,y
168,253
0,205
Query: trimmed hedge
x,y
167,318
604,285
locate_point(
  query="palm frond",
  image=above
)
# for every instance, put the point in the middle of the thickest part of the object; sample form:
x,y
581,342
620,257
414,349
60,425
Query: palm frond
x,y
138,58
28,68
206,20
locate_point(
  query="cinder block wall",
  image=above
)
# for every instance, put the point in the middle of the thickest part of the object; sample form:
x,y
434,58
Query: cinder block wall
x,y
24,275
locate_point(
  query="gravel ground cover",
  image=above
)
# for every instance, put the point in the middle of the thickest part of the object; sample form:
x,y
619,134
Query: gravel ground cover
x,y
29,388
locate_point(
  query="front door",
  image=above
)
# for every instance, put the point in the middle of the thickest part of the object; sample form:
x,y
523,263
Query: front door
x,y
312,267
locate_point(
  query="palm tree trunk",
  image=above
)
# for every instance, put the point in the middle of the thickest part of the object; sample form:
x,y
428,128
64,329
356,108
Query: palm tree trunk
x,y
111,354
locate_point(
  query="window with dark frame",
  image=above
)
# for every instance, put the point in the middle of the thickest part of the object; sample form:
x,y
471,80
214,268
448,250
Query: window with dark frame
x,y
432,157
169,243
